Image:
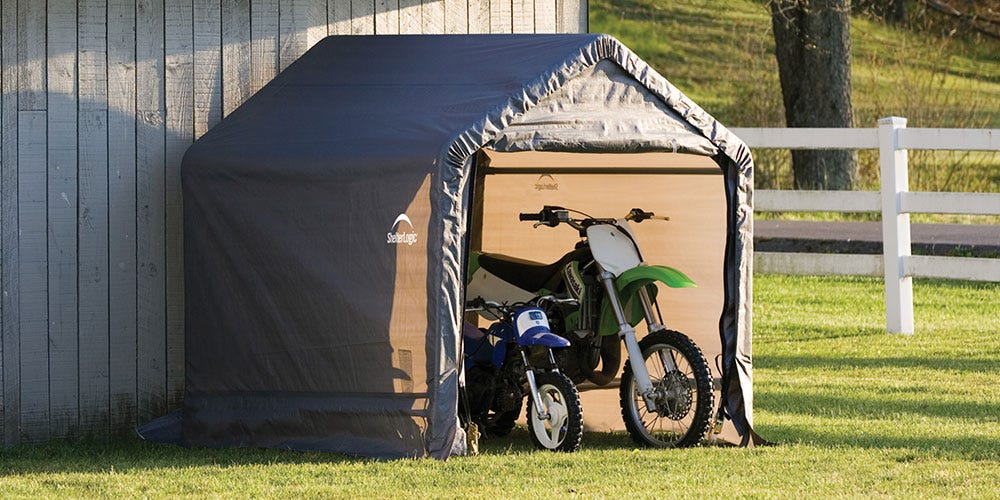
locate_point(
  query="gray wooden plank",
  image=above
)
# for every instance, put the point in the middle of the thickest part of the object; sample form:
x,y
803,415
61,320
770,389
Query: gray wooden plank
x,y
92,227
387,14
410,17
302,23
92,224
339,17
571,16
500,16
122,214
264,48
316,21
3,224
235,53
545,16
207,65
479,16
293,42
432,17
151,286
362,17
583,16
179,84
31,214
10,339
62,216
523,16
151,376
456,16
31,55
33,274
561,16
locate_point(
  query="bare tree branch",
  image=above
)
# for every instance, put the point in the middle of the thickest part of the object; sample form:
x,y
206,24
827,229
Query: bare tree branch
x,y
973,21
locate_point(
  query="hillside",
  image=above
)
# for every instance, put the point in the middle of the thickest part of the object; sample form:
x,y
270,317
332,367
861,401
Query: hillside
x,y
721,54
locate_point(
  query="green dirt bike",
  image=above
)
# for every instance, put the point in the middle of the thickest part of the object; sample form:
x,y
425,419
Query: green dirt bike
x,y
666,400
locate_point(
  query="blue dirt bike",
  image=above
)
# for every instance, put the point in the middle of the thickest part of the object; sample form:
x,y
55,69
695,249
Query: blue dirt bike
x,y
513,359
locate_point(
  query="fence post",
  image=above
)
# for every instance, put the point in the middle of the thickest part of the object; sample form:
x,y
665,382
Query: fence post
x,y
895,227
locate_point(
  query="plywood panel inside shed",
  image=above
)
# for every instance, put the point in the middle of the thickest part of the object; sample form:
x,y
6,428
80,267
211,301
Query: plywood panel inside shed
x,y
687,188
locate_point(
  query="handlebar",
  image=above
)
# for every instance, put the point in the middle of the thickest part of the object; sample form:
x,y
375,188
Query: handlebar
x,y
480,304
549,215
552,216
638,215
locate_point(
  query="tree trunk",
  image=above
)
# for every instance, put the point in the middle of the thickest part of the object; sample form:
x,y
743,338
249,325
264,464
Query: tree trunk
x,y
813,45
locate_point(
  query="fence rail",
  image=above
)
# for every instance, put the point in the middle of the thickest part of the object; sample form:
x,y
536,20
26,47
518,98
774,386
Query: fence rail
x,y
894,201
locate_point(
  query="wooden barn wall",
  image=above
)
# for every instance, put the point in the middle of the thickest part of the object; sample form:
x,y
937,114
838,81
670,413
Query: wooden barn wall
x,y
99,100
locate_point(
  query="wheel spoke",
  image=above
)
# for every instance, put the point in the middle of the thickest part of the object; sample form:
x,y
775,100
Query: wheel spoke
x,y
549,401
558,414
554,432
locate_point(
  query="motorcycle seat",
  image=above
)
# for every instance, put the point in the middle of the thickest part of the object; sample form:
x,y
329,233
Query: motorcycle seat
x,y
526,274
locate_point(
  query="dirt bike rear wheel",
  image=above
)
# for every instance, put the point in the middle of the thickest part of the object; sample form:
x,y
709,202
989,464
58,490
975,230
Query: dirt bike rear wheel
x,y
683,396
563,430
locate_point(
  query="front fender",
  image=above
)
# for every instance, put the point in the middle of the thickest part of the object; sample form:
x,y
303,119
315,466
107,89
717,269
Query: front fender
x,y
648,274
629,283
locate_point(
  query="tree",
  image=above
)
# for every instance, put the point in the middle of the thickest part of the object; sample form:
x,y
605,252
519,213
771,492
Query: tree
x,y
812,45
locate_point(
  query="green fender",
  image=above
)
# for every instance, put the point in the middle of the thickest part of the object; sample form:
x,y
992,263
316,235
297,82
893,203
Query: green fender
x,y
629,283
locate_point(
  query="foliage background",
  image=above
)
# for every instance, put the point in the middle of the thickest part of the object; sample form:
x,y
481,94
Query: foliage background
x,y
929,70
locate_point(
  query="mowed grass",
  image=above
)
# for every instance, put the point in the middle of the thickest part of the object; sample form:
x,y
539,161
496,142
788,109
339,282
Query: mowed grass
x,y
856,413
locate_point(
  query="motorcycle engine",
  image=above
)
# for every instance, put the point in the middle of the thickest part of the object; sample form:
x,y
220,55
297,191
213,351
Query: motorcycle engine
x,y
508,392
586,351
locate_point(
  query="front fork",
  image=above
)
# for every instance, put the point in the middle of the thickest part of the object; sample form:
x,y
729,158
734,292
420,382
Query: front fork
x,y
627,333
541,411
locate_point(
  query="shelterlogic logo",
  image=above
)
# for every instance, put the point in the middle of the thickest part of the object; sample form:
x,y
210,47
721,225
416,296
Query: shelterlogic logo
x,y
397,237
546,182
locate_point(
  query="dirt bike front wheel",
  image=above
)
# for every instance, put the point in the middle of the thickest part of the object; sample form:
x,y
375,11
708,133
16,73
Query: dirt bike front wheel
x,y
563,429
682,390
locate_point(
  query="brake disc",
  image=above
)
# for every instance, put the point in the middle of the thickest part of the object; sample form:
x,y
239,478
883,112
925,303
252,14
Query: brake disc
x,y
674,396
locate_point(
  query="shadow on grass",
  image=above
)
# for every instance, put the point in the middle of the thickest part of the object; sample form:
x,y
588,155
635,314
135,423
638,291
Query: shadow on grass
x,y
520,442
807,332
840,363
939,283
971,447
125,454
873,407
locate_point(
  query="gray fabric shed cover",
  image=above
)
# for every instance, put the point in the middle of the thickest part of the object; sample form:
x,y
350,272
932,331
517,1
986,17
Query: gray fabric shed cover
x,y
316,315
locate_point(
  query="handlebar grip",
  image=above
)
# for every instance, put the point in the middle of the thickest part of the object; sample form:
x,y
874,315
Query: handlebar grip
x,y
524,216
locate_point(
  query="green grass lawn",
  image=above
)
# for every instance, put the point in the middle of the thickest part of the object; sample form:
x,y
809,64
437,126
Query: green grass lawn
x,y
856,412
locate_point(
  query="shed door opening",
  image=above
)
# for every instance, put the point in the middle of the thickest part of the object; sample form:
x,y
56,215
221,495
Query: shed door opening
x,y
687,188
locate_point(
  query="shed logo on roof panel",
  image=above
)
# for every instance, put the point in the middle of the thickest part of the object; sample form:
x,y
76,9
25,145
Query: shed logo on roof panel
x,y
546,182
397,237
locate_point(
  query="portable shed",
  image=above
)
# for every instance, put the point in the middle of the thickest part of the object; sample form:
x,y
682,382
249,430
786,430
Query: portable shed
x,y
326,228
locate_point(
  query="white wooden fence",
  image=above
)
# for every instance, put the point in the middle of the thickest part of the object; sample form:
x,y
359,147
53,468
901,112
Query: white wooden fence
x,y
895,202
